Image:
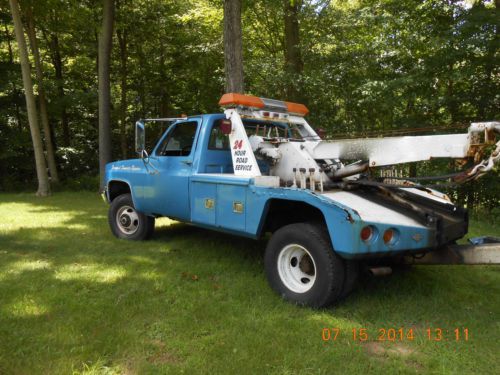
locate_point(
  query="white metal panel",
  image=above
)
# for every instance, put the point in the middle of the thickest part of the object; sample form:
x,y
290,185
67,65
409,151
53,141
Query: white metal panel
x,y
294,155
371,211
395,150
267,181
244,162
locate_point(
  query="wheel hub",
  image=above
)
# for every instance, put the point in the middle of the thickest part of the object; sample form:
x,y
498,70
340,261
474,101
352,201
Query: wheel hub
x,y
127,220
296,268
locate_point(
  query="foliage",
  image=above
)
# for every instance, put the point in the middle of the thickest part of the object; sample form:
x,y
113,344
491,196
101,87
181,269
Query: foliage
x,y
370,66
74,299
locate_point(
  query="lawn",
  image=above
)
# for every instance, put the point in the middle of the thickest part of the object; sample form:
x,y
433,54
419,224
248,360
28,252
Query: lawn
x,y
73,299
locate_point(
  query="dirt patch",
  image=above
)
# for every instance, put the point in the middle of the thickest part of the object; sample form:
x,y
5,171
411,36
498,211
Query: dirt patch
x,y
401,350
377,349
382,352
162,355
373,348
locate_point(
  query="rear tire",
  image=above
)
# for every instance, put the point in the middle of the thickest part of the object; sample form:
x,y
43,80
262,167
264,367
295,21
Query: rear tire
x,y
128,223
351,277
302,267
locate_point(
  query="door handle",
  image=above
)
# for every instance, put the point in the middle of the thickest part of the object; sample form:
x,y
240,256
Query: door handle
x,y
188,162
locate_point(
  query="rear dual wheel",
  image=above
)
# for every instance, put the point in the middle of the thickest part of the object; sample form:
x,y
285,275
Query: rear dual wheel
x,y
302,267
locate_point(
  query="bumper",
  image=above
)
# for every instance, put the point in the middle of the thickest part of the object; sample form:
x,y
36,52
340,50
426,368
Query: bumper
x,y
420,224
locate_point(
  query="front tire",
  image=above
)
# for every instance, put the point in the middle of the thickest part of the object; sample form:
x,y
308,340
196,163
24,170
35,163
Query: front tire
x,y
302,267
128,223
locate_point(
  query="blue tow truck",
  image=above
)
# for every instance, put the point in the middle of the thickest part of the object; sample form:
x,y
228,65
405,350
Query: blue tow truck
x,y
260,168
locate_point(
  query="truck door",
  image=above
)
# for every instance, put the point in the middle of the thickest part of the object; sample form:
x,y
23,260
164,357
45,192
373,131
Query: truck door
x,y
173,159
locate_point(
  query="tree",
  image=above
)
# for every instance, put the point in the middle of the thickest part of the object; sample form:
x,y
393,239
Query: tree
x,y
55,55
49,145
121,35
41,168
233,46
293,57
104,57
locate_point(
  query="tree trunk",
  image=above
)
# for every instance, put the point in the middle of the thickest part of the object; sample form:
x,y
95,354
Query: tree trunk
x,y
142,83
49,146
104,56
413,170
13,82
163,83
122,42
55,55
293,58
41,168
233,46
58,67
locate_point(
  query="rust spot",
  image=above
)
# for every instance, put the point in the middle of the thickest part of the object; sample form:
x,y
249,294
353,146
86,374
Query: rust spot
x,y
349,216
490,136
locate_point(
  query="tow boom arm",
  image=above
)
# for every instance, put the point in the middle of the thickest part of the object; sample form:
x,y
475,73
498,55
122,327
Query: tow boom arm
x,y
397,150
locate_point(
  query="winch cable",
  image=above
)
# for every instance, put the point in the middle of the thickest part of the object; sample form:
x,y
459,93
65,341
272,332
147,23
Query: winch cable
x,y
364,182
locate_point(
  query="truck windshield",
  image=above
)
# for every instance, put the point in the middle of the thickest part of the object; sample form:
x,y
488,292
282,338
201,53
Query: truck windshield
x,y
270,129
266,129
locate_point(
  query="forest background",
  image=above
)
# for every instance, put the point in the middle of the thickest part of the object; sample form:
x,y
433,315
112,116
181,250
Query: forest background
x,y
362,67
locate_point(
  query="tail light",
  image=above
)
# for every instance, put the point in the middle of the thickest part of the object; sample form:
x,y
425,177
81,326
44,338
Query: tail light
x,y
367,233
390,236
226,127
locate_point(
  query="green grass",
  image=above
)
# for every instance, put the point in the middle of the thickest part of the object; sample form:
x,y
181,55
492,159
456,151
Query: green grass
x,y
73,299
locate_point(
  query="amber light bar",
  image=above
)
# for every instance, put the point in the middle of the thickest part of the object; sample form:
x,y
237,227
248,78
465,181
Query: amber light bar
x,y
250,101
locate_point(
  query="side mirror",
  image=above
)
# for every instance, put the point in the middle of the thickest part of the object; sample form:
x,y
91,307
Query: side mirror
x,y
226,127
140,138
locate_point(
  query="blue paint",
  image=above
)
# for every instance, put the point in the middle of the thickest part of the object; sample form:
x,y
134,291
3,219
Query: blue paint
x,y
179,187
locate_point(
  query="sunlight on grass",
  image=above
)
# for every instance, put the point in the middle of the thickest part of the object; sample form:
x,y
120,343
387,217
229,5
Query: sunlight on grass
x,y
328,320
98,368
32,216
163,222
90,272
16,268
26,307
28,265
141,259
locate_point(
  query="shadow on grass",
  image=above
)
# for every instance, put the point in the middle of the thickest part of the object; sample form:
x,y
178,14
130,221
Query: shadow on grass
x,y
72,295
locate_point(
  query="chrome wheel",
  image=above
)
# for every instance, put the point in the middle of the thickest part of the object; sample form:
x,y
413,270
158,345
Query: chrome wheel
x,y
127,220
296,268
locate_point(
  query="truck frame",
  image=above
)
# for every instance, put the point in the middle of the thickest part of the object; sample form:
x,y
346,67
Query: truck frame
x,y
260,168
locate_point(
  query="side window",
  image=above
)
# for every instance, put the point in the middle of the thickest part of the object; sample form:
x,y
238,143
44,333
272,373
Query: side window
x,y
179,140
218,141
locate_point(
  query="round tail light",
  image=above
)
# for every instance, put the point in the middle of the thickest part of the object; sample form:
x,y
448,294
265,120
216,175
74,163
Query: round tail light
x,y
390,236
366,233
